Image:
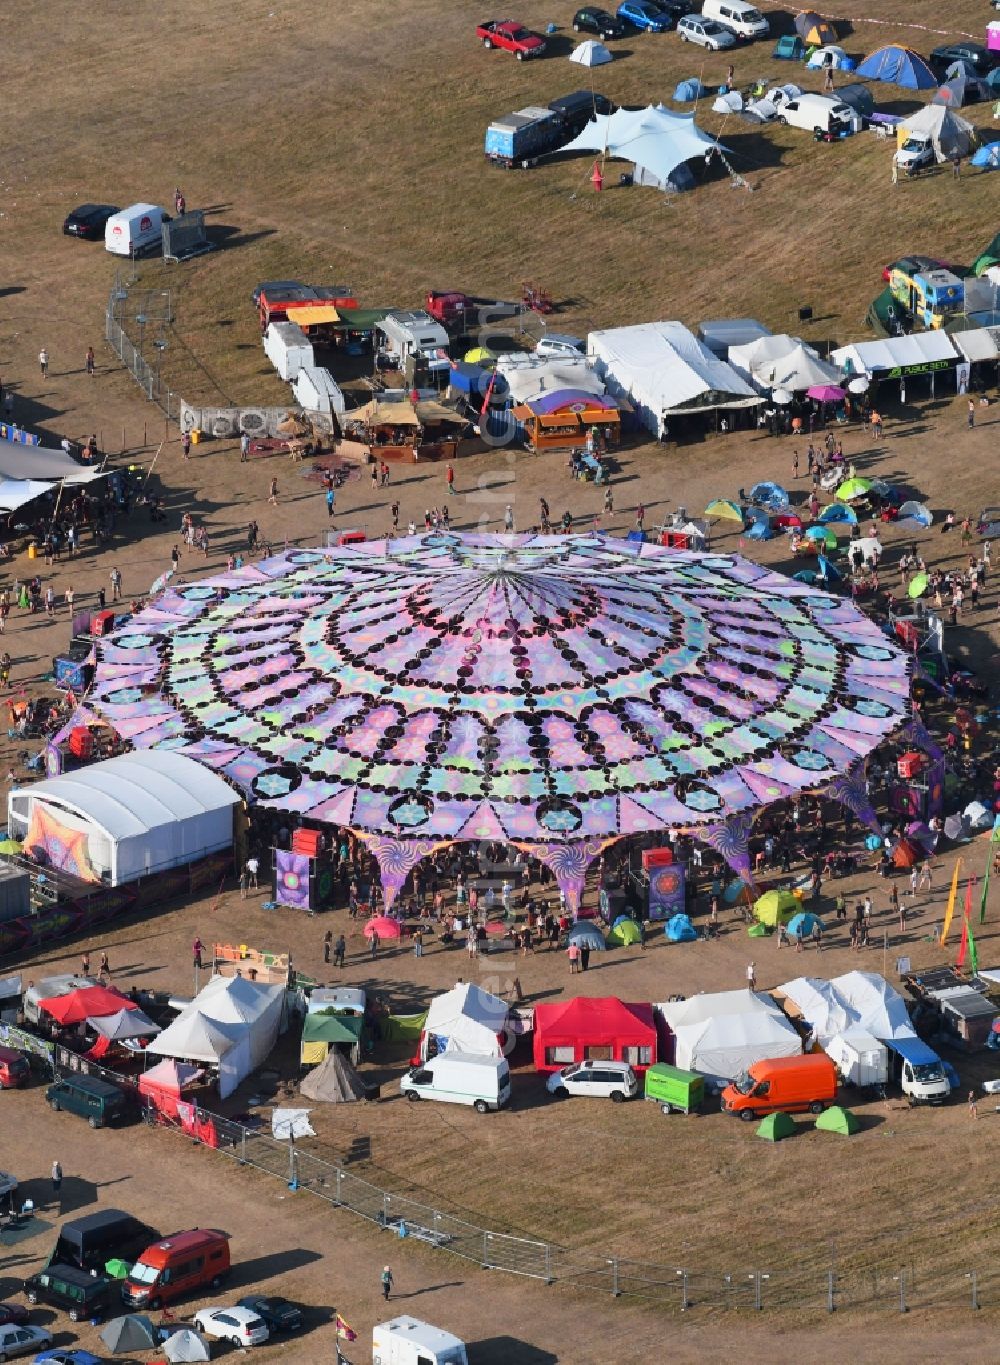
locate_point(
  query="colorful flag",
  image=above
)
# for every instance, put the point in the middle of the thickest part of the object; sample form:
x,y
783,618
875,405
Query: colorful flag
x,y
952,896
968,942
973,954
345,1330
994,838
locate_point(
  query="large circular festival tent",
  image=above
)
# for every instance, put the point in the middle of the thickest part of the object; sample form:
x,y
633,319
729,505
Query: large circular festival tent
x,y
553,692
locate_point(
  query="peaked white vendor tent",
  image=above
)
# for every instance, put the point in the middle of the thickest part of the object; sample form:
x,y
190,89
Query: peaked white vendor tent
x,y
663,369
467,1019
819,1005
233,1024
656,140
722,1035
856,1001
800,370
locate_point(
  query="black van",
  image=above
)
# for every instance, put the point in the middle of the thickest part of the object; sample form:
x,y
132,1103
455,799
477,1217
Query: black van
x,y
97,1101
84,1296
91,1241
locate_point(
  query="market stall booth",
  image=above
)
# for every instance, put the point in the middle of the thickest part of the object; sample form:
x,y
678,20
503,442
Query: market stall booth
x,y
594,1029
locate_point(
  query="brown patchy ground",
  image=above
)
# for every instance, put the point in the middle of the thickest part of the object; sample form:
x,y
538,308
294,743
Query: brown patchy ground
x,y
307,130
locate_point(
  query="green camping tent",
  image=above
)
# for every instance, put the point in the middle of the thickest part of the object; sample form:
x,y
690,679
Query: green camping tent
x,y
776,1126
775,906
836,1119
624,933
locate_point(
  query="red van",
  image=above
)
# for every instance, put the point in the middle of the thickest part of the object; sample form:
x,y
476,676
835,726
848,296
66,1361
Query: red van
x,y
14,1069
177,1265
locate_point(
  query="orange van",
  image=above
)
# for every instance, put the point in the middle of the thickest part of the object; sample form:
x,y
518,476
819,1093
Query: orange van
x,y
177,1265
788,1083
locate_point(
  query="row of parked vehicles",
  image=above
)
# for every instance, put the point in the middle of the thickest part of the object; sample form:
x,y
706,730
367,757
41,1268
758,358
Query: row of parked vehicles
x,y
720,24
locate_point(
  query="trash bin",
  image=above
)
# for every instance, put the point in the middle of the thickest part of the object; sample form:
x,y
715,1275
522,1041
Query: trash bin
x,y
196,437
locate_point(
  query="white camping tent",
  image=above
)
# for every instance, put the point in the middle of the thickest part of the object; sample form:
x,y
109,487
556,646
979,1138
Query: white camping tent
x,y
949,132
233,1024
590,53
721,1035
656,141
466,1019
663,369
142,812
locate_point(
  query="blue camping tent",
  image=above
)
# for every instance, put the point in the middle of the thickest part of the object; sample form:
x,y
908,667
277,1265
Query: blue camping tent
x,y
770,495
899,66
679,929
585,932
689,90
988,156
759,527
802,924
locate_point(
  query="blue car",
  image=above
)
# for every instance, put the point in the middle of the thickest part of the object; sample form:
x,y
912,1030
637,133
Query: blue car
x,y
645,15
61,1356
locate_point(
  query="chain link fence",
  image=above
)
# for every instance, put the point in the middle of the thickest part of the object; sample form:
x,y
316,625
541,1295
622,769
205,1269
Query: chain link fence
x,y
145,316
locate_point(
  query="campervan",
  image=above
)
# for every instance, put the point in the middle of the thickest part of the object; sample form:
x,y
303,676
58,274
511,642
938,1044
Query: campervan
x,y
135,230
746,21
408,1341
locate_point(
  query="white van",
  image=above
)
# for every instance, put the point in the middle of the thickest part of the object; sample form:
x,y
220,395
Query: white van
x,y
134,230
458,1078
818,114
742,19
408,1341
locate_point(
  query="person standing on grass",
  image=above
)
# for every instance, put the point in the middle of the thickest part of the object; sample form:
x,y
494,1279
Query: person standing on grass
x,y
972,414
327,945
374,473
573,953
449,478
116,583
43,362
272,496
387,1282
57,1179
186,445
418,942
373,943
340,951
85,963
90,360
253,867
244,447
394,513
104,967
751,976
196,948
331,500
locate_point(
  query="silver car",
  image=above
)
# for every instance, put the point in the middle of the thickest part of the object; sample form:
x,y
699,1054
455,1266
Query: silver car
x,y
598,1080
693,28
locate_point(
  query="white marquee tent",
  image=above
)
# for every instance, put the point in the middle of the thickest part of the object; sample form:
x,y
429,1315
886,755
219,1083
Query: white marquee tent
x,y
894,353
723,1034
800,370
856,1001
467,1019
141,812
663,369
232,1024
655,139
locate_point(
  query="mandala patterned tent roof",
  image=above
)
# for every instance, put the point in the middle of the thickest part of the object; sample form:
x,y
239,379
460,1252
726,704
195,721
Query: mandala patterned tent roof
x,y
542,689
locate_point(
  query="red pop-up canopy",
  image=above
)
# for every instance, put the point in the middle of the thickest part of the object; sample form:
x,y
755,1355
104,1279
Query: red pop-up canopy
x,y
594,1030
89,1002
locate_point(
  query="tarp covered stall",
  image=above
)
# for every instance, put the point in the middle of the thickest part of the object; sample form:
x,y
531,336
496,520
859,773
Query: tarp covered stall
x,y
916,351
654,139
465,1019
599,1029
125,817
324,1030
232,1024
814,1001
663,370
529,377
288,349
722,1034
88,1002
125,1024
164,1083
856,1001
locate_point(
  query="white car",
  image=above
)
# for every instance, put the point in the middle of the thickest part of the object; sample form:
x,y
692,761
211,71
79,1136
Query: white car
x,y
241,1326
705,32
559,344
19,1341
598,1080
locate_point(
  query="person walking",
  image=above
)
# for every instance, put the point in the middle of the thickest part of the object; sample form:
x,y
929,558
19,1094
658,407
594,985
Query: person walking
x,y
85,963
387,1282
925,876
449,478
373,943
584,957
971,419
57,1179
331,501
973,1111
104,967
508,519
186,446
573,954
828,80
272,496
116,583
90,360
340,951
751,976
196,948
374,473
394,513
327,945
418,942
244,447
253,867
43,362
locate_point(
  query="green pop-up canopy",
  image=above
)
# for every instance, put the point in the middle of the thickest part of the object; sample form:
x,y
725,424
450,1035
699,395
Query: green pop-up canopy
x,y
836,1119
776,1126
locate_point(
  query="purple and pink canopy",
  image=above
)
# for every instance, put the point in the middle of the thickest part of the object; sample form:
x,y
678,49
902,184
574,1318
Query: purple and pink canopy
x,y
551,691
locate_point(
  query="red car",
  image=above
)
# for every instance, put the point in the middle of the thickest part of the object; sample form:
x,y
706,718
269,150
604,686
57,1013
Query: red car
x,y
512,37
13,1314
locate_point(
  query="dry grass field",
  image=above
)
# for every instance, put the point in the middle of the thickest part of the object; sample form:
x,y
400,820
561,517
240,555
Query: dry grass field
x,y
344,142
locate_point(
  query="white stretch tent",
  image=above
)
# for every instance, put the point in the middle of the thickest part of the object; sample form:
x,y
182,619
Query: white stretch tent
x,y
142,812
232,1024
42,462
663,369
654,139
467,1019
871,357
529,376
14,493
721,1035
590,53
